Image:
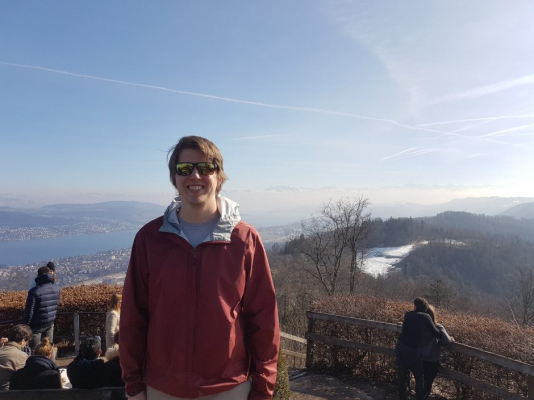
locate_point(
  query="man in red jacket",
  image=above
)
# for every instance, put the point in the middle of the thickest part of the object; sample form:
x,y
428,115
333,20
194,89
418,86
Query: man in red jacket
x,y
199,317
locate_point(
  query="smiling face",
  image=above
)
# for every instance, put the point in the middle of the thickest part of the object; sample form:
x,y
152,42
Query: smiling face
x,y
196,191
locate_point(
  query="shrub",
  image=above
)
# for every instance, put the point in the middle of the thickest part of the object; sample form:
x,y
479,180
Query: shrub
x,y
282,389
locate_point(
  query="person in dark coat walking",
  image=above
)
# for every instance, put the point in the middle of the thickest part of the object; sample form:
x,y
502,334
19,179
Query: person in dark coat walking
x,y
41,307
40,372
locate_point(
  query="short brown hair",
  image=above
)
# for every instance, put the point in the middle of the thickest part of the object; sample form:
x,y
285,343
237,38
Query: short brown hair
x,y
206,147
19,332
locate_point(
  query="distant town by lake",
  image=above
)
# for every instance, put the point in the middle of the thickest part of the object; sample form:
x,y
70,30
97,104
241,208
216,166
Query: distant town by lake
x,y
42,250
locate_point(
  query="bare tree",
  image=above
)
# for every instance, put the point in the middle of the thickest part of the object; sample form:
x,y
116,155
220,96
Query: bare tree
x,y
359,228
440,294
340,228
525,295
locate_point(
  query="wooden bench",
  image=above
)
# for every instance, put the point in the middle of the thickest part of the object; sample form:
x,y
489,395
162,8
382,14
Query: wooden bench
x,y
109,393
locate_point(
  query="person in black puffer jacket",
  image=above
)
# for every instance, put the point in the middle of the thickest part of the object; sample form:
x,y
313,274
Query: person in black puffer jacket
x,y
41,307
40,372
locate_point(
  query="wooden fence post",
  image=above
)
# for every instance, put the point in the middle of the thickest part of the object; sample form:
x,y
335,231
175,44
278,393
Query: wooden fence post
x,y
76,333
309,344
530,387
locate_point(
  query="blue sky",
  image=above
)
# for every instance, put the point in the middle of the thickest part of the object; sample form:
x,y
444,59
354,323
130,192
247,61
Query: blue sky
x,y
399,101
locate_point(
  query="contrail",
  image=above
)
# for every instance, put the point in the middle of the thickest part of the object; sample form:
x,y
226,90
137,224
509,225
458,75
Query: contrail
x,y
417,153
489,89
476,120
210,96
516,128
421,127
523,146
399,153
516,114
257,137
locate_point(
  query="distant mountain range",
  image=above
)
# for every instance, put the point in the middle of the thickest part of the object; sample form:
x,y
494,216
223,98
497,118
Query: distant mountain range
x,y
126,211
525,210
122,215
523,207
74,219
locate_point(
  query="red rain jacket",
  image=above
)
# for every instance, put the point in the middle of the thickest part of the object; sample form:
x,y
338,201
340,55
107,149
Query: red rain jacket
x,y
196,322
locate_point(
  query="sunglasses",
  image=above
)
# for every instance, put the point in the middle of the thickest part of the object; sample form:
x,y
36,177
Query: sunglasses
x,y
203,168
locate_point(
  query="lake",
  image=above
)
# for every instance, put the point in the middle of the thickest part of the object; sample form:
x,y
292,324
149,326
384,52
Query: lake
x,y
43,250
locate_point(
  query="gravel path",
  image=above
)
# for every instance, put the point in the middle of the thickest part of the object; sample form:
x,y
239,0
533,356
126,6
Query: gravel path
x,y
313,386
317,386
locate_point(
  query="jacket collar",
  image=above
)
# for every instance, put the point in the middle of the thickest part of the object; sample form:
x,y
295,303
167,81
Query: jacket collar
x,y
228,209
39,363
14,344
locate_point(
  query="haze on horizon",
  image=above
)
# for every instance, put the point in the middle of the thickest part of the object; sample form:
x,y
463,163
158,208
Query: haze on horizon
x,y
400,102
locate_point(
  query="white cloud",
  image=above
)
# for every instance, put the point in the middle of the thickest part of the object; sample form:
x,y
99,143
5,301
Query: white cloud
x,y
433,48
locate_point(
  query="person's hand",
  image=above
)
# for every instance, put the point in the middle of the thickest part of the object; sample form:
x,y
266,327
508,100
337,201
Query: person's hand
x,y
3,340
139,396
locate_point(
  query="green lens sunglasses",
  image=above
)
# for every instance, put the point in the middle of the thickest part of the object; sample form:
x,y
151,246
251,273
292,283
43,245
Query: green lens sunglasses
x,y
203,168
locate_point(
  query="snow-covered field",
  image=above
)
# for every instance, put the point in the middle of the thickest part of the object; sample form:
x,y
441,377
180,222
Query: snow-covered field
x,y
381,259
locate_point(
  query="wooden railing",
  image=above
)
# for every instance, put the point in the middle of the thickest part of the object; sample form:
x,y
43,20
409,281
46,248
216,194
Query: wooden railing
x,y
64,394
297,356
496,359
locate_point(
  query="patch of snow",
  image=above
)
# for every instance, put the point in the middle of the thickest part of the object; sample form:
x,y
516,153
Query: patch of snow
x,y
380,260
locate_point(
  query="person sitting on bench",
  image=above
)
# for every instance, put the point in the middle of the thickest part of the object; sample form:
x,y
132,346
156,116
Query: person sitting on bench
x,y
40,372
89,371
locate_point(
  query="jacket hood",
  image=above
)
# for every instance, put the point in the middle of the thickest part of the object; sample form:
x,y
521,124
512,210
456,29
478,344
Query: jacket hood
x,y
39,363
228,210
44,278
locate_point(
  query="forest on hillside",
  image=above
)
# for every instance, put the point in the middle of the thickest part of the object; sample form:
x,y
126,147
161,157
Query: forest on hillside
x,y
489,253
462,261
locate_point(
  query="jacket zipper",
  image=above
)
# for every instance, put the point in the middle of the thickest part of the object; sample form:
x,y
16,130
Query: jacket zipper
x,y
194,272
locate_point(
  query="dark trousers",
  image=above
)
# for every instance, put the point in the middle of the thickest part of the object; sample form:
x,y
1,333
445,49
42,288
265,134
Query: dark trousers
x,y
39,334
409,360
430,370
